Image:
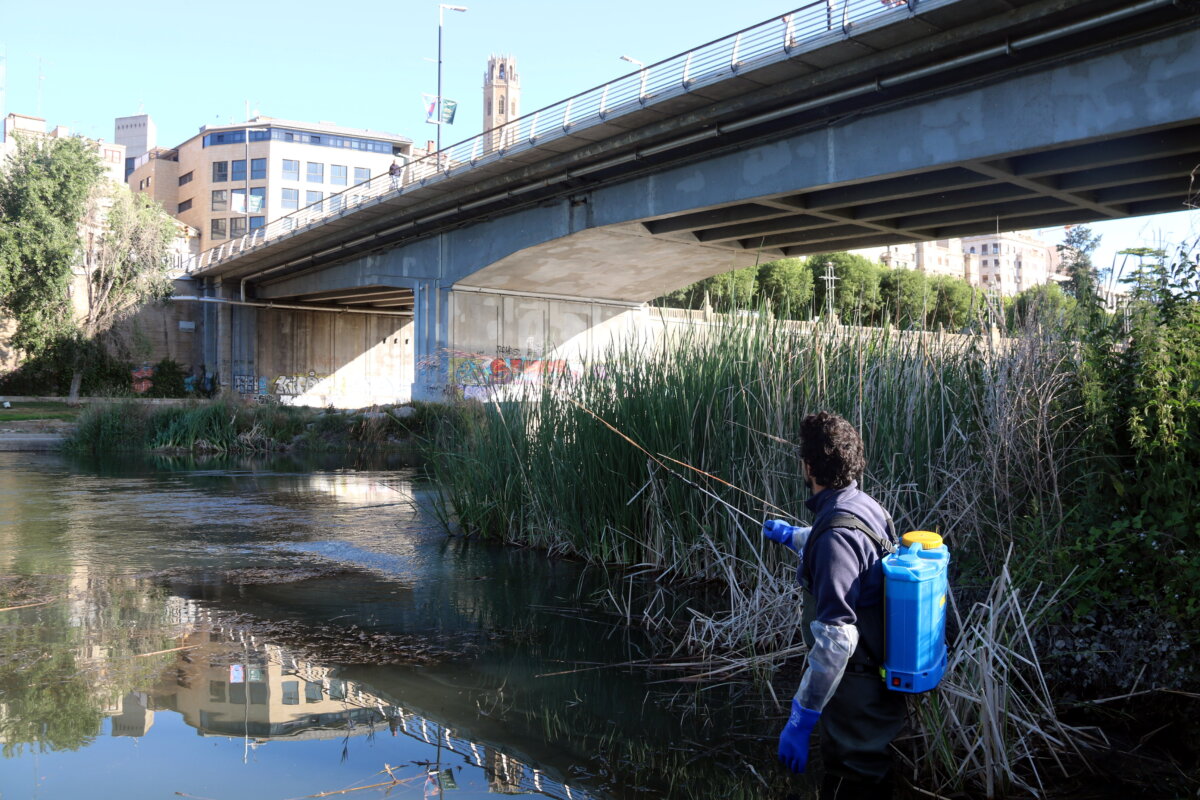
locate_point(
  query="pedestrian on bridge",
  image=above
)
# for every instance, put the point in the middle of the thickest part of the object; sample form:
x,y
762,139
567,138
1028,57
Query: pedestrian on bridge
x,y
843,619
395,170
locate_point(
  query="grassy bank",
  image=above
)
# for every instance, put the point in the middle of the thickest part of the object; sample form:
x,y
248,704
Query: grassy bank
x,y
667,459
231,427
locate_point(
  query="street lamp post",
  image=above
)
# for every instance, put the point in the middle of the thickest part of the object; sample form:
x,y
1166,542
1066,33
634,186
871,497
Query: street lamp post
x,y
642,66
442,9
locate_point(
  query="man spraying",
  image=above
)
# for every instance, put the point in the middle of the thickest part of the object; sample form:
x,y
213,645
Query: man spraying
x,y
843,619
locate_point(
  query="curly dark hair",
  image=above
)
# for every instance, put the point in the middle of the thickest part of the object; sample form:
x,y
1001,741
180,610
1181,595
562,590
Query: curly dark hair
x,y
832,449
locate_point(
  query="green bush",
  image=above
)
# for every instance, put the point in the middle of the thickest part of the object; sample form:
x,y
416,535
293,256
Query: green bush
x,y
167,380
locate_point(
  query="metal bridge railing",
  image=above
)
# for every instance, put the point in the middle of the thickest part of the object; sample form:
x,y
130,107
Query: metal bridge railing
x,y
772,41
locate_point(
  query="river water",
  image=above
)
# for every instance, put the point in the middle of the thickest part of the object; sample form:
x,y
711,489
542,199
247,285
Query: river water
x,y
264,630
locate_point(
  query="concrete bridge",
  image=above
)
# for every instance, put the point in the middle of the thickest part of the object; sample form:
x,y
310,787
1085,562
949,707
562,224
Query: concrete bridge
x,y
836,126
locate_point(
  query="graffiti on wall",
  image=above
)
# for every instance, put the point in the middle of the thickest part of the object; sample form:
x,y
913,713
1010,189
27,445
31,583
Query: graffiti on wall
x,y
480,376
497,371
250,385
289,388
143,379
295,385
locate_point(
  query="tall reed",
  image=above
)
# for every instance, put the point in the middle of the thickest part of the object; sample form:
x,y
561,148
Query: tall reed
x,y
671,454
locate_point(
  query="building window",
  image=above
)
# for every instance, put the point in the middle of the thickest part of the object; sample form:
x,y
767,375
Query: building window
x,y
237,226
184,206
257,222
316,172
291,170
291,692
290,199
361,175
337,174
239,170
313,197
972,248
220,200
500,109
184,179
220,171
995,248
335,202
258,198
258,169
218,229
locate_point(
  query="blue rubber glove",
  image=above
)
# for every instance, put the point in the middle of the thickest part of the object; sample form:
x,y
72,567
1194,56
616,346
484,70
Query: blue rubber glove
x,y
793,740
779,531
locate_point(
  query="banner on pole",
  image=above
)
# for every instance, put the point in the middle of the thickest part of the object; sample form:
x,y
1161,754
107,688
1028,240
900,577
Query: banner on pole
x,y
449,107
430,108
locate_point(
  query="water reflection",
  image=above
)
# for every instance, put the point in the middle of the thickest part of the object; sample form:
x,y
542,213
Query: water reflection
x,y
258,630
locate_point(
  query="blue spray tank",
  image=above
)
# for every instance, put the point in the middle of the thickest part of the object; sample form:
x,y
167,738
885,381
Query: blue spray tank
x,y
916,590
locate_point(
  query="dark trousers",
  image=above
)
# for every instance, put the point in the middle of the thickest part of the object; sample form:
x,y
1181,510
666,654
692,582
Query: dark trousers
x,y
862,718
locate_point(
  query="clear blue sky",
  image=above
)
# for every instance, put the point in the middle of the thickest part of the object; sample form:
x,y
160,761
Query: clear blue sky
x,y
359,63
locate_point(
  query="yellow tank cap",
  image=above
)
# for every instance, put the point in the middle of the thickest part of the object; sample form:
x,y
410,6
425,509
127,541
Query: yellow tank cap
x,y
928,539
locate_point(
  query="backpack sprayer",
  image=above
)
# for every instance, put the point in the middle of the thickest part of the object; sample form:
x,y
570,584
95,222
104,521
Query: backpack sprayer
x,y
915,591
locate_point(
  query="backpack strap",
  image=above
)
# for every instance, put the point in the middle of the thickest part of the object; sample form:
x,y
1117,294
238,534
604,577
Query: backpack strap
x,y
845,519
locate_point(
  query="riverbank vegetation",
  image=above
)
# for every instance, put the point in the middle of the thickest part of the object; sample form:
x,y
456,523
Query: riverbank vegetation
x,y
227,426
58,212
1057,461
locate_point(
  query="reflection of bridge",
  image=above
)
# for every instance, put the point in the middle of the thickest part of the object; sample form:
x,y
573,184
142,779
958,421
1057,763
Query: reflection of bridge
x,y
890,123
285,698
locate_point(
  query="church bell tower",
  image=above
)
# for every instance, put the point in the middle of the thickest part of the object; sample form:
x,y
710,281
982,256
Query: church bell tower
x,y
501,96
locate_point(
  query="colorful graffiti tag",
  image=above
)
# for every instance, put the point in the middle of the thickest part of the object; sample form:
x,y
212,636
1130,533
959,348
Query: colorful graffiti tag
x,y
143,379
484,371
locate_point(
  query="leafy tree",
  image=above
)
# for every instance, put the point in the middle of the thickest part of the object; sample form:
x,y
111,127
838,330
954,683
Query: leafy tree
x,y
856,291
44,191
733,289
1046,304
954,302
1076,250
787,286
129,266
906,297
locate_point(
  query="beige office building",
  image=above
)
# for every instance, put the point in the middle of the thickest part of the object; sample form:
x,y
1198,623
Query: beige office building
x,y
228,180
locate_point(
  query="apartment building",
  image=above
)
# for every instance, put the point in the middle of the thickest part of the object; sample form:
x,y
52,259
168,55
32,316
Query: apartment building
x,y
1013,262
1007,263
228,180
112,155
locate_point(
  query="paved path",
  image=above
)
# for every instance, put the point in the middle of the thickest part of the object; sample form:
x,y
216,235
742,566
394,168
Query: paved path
x,y
38,442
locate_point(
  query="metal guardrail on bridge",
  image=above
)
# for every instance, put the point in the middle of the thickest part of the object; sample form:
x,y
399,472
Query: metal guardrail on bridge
x,y
775,40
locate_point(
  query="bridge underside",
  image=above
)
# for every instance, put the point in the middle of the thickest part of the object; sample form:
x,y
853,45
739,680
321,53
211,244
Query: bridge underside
x,y
1148,172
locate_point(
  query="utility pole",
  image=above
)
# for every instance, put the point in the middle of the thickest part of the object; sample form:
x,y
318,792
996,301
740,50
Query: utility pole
x,y
829,279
